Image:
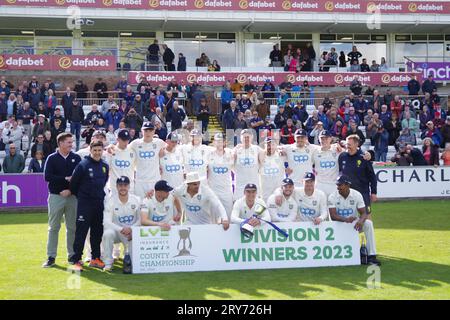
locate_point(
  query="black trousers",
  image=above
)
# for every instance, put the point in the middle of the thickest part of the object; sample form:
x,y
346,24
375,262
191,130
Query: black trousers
x,y
89,216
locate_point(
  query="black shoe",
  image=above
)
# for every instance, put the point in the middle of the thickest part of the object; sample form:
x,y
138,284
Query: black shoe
x,y
49,263
374,261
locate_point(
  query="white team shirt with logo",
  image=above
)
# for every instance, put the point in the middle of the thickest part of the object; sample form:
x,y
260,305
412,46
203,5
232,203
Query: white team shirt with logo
x,y
287,212
271,174
311,207
159,211
346,207
326,165
219,171
241,211
118,215
121,163
203,207
196,158
246,167
147,159
300,160
172,167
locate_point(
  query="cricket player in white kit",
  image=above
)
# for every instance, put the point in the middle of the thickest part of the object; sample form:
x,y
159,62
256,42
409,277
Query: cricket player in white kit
x,y
220,165
199,202
162,209
171,161
299,156
195,154
146,155
288,209
248,206
344,205
122,211
271,171
121,161
247,160
98,135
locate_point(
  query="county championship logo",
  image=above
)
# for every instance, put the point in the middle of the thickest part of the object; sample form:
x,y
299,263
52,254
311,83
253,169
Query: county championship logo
x,y
107,3
191,78
339,78
153,3
412,7
329,6
65,62
243,4
385,78
286,5
242,78
185,239
199,4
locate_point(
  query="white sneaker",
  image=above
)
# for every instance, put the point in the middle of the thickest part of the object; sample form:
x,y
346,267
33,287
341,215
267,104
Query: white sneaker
x,y
87,259
108,268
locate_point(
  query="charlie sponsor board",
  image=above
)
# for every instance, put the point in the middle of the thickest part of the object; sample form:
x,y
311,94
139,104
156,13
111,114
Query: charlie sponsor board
x,y
184,249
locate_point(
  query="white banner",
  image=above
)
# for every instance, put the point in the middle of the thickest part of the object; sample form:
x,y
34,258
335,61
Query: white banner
x,y
209,248
411,182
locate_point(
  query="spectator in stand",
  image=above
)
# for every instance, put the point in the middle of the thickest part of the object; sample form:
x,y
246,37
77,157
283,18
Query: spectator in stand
x,y
332,118
396,106
67,99
14,161
138,105
159,116
374,67
50,102
181,64
248,117
230,115
345,108
287,59
153,53
342,60
87,133
311,58
376,101
372,127
424,117
239,122
361,106
197,97
133,120
48,142
287,132
129,96
315,133
402,157
203,115
121,87
388,97
249,87
169,100
245,104
411,123
393,128
430,152
101,89
300,115
354,55
405,137
416,155
355,67
281,117
406,110
27,115
58,115
275,57
5,88
434,97
168,58
429,85
3,107
256,124
55,131
327,103
351,116
214,66
226,96
364,66
356,86
352,128
383,66
381,140
446,155
385,115
75,117
110,136
445,131
236,87
176,115
37,163
34,98
339,130
94,115
33,83
81,90
160,131
42,110
433,133
41,126
268,90
11,104
413,86
439,116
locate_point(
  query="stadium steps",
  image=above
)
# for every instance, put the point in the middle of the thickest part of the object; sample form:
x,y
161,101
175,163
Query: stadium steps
x,y
213,127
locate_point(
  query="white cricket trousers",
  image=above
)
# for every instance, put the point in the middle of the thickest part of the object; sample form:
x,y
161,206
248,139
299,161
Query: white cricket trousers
x,y
110,237
370,237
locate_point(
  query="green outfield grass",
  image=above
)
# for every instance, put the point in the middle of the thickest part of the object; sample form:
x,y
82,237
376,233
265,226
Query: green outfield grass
x,y
413,240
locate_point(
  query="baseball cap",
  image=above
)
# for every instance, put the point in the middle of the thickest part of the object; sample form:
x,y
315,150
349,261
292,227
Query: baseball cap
x,y
196,132
148,125
325,133
41,115
172,136
287,181
245,131
218,136
250,186
99,133
300,132
448,118
162,185
343,179
123,180
268,139
309,176
124,134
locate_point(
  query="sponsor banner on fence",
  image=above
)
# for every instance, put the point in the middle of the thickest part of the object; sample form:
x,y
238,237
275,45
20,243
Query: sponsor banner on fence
x,y
23,190
184,248
313,78
325,6
439,70
412,182
57,63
